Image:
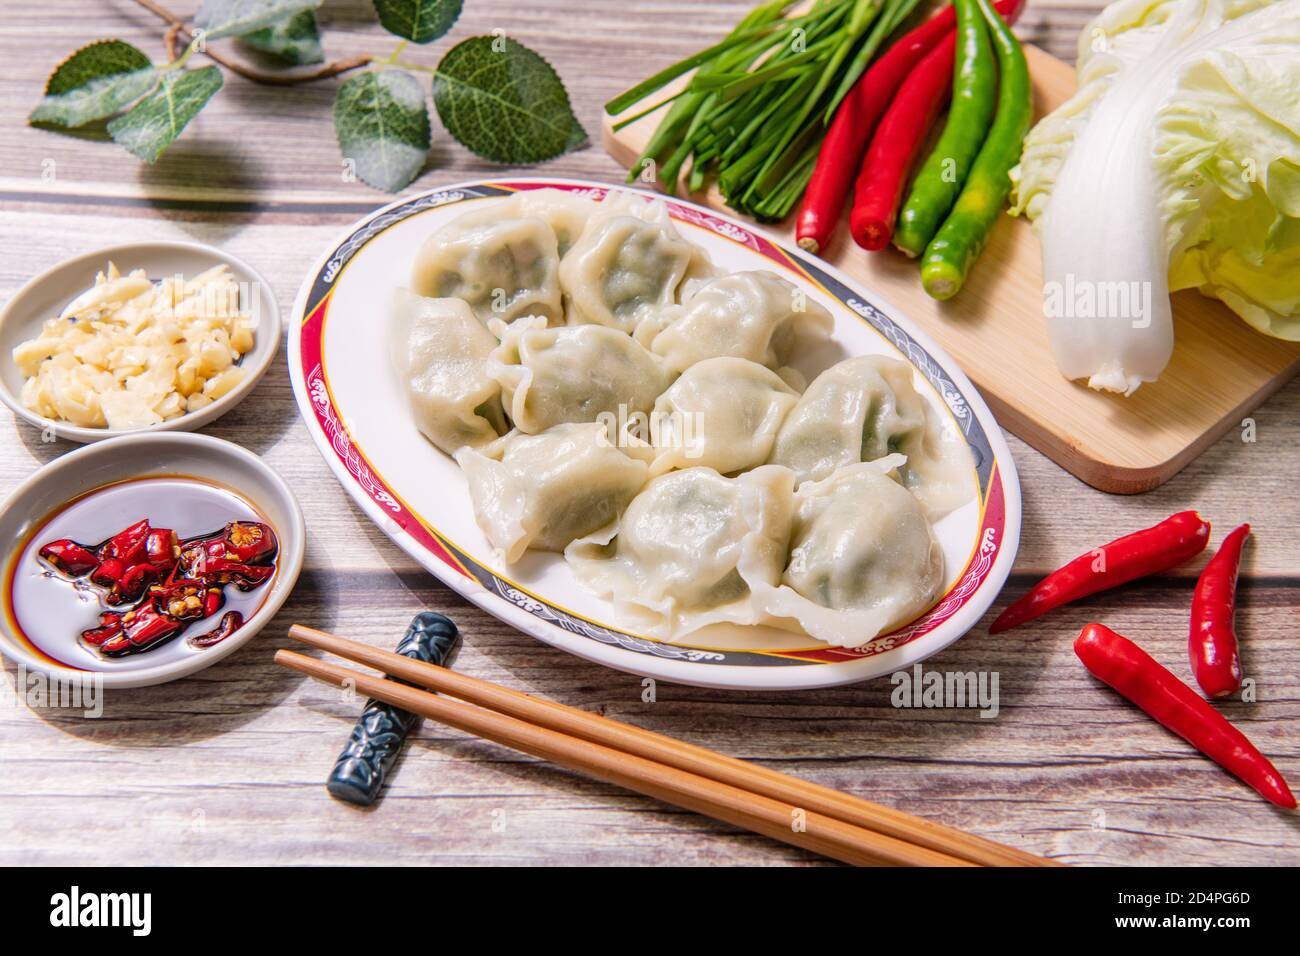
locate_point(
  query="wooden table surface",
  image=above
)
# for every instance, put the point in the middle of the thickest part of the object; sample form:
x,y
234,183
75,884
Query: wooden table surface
x,y
227,766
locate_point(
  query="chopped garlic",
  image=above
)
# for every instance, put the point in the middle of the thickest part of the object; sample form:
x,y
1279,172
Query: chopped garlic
x,y
127,353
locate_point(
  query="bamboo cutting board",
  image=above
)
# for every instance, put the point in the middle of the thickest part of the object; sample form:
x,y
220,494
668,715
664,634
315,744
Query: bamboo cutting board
x,y
995,329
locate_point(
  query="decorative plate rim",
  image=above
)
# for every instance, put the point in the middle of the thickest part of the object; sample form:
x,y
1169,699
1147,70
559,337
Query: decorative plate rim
x,y
949,619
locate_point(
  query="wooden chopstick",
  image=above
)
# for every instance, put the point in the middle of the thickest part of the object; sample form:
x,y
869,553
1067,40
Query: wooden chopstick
x,y
772,818
676,753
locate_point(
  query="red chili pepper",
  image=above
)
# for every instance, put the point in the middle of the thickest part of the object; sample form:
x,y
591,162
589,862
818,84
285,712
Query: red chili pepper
x,y
841,152
240,544
220,571
68,557
230,623
246,577
142,628
249,541
169,582
1140,679
200,555
182,599
212,601
1171,542
110,625
107,573
896,143
132,583
1212,644
128,544
161,549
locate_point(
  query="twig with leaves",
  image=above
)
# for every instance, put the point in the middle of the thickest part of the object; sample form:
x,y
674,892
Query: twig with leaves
x,y
494,95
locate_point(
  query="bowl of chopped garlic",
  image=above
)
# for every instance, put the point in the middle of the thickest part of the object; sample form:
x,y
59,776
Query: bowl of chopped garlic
x,y
149,336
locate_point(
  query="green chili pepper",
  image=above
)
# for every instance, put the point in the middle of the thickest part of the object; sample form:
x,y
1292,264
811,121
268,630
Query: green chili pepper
x,y
949,255
941,177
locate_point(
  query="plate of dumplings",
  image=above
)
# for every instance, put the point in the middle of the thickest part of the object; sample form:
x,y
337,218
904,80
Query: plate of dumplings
x,y
653,435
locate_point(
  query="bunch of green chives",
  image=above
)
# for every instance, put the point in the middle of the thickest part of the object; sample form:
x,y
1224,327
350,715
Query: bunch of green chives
x,y
755,112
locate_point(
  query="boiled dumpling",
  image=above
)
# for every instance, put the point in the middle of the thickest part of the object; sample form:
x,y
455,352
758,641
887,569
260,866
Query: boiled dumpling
x,y
751,315
439,351
849,413
723,413
564,211
628,261
863,559
687,547
865,408
543,491
572,373
503,268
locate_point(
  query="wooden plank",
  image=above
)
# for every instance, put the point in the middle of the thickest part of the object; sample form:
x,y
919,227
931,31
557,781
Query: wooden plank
x,y
227,767
995,329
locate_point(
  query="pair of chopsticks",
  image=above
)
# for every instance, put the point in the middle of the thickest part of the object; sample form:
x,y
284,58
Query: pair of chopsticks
x,y
755,798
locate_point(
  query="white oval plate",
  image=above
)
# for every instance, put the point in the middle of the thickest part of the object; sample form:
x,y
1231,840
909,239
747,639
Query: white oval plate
x,y
356,413
45,296
135,456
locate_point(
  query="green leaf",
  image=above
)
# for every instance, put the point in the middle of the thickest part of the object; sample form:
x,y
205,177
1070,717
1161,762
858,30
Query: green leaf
x,y
420,21
230,18
382,124
152,124
295,39
504,102
96,81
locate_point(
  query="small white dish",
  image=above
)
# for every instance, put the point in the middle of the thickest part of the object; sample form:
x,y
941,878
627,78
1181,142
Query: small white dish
x,y
129,457
46,295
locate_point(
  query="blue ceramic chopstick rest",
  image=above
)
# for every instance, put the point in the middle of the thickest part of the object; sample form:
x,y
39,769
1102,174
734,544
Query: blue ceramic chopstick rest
x,y
380,731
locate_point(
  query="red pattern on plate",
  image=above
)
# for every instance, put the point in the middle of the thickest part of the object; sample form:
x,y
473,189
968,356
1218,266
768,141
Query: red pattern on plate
x,y
332,424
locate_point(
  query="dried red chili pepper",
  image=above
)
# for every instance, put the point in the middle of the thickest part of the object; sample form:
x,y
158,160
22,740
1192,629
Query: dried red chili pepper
x,y
239,543
143,627
171,582
198,554
132,583
1149,551
1212,643
231,621
108,572
182,599
162,549
249,541
110,625
1140,679
246,577
212,601
69,557
219,570
128,544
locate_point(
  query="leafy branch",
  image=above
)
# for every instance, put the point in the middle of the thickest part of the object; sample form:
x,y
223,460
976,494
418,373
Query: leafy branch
x,y
271,37
494,95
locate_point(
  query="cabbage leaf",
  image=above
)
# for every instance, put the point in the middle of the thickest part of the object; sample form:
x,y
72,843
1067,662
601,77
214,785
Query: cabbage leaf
x,y
1176,165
